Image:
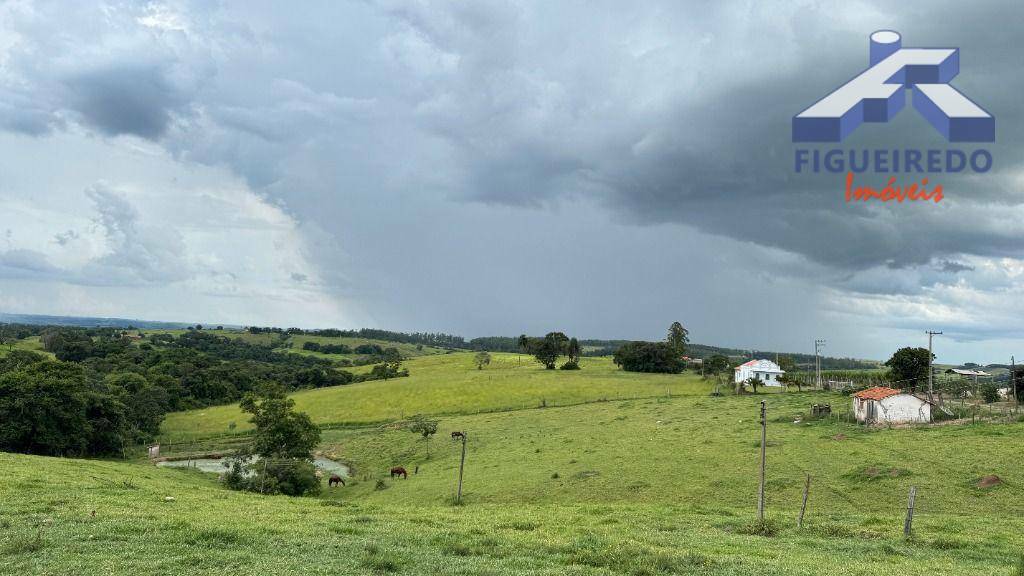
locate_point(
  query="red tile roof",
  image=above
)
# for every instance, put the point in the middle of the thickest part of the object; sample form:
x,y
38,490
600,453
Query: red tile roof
x,y
876,393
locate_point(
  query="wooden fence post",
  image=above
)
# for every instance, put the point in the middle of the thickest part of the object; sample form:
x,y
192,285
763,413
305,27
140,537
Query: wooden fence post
x,y
909,522
764,434
462,464
803,505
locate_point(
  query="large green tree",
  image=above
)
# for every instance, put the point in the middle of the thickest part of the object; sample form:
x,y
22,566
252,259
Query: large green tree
x,y
678,338
547,349
658,357
909,366
281,432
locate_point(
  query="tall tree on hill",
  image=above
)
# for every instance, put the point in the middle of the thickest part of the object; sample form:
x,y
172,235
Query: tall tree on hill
x,y
909,366
524,346
678,337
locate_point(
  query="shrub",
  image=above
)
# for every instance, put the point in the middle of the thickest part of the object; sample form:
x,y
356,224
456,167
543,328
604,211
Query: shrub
x,y
989,392
288,476
766,528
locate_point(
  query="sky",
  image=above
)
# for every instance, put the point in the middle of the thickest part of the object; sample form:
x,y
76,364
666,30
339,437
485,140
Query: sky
x,y
497,168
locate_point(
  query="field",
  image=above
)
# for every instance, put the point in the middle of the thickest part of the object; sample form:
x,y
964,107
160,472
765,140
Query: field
x,y
31,344
593,483
451,384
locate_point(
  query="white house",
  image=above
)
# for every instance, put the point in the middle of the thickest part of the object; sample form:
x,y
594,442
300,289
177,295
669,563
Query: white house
x,y
766,371
881,405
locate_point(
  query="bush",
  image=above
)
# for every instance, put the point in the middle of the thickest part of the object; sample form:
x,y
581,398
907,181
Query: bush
x,y
289,476
989,392
570,365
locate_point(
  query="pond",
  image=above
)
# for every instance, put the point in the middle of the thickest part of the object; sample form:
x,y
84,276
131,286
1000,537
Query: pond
x,y
219,465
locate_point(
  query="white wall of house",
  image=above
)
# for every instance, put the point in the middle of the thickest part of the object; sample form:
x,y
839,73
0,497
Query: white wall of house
x,y
898,409
766,371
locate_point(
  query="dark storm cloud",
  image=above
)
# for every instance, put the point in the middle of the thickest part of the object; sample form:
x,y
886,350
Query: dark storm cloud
x,y
719,158
133,99
442,157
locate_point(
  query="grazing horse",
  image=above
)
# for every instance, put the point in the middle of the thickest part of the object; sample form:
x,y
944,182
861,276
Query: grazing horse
x,y
335,479
399,471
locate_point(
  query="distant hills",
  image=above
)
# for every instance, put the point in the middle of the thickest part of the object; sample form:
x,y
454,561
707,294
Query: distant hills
x,y
87,321
591,347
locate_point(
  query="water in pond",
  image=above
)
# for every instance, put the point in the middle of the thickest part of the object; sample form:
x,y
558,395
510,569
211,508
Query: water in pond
x,y
219,465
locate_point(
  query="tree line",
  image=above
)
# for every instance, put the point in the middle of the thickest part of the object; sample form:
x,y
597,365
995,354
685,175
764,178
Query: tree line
x,y
105,391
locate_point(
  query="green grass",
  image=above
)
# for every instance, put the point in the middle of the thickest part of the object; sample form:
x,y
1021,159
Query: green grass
x,y
644,487
658,484
31,344
700,452
451,384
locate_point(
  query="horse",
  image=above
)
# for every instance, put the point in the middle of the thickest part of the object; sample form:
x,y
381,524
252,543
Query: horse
x,y
335,479
399,471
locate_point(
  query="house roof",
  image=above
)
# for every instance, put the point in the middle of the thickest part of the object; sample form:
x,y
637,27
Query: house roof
x,y
762,366
876,393
965,372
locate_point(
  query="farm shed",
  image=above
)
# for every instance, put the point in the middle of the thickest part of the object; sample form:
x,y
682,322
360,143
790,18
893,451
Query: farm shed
x,y
881,405
764,370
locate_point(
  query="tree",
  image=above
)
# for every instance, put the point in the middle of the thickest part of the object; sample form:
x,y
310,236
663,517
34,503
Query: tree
x,y
281,432
909,366
573,351
482,359
990,392
43,407
678,337
282,444
524,345
659,357
547,349
753,382
716,364
425,427
788,365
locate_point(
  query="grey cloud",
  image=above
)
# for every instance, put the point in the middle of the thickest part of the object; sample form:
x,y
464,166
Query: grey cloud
x,y
954,267
485,133
126,99
138,253
26,264
719,158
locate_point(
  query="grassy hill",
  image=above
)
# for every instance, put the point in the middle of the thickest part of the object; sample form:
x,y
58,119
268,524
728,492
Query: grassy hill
x,y
619,473
451,384
643,487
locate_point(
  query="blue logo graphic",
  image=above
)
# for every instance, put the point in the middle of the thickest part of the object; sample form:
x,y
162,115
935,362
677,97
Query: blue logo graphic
x,y
878,93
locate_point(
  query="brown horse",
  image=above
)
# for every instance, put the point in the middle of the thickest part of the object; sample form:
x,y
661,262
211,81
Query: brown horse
x,y
399,471
334,480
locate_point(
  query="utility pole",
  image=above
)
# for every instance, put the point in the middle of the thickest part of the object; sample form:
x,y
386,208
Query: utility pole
x,y
760,491
818,345
1013,381
931,393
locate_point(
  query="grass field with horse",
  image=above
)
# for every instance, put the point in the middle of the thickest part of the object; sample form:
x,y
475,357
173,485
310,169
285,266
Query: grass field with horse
x,y
595,471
